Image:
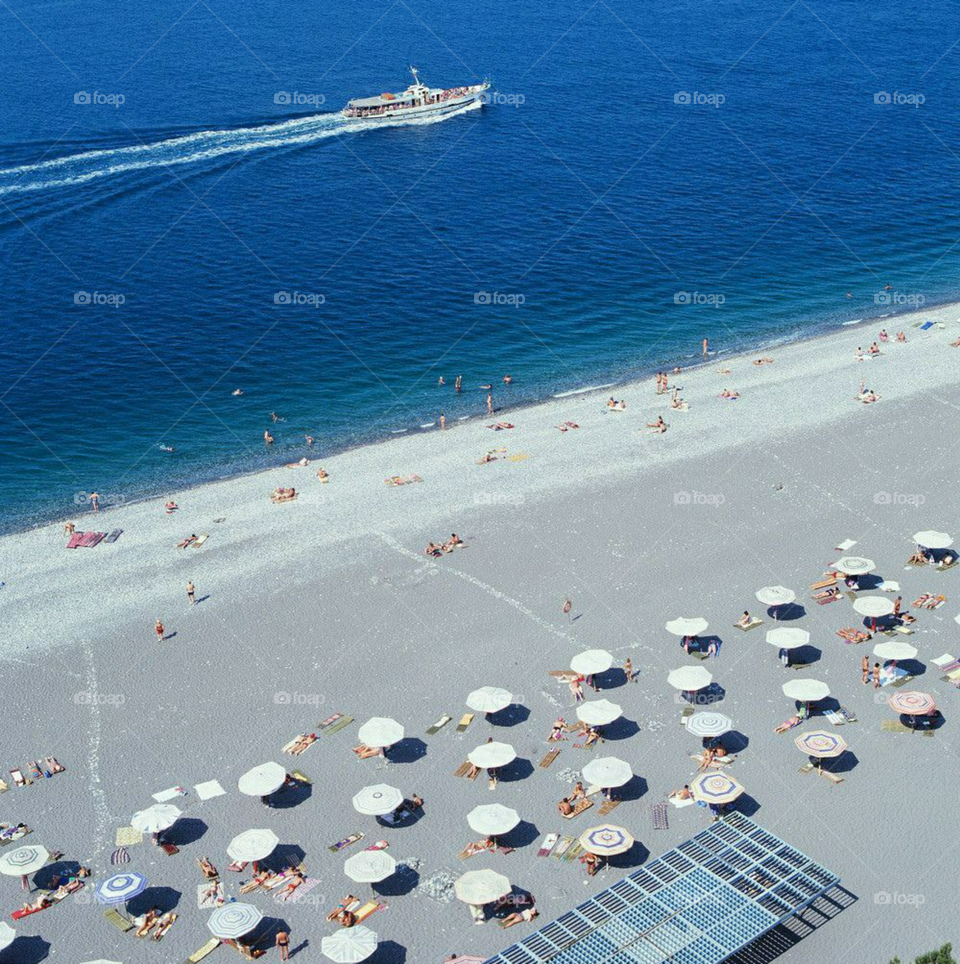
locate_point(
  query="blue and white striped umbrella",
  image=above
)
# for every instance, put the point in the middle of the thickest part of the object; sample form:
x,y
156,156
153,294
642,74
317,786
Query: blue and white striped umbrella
x,y
120,888
232,921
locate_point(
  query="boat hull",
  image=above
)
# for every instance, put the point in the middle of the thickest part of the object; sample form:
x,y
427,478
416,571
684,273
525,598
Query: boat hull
x,y
422,110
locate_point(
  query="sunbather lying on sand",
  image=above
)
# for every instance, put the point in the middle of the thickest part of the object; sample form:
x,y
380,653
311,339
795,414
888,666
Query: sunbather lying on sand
x,y
283,495
164,924
147,921
396,480
831,593
433,550
659,426
300,743
213,894
189,541
292,884
478,847
519,917
788,724
726,393
41,903
500,426
348,903
763,361
947,561
616,406
683,794
207,868
298,465
364,752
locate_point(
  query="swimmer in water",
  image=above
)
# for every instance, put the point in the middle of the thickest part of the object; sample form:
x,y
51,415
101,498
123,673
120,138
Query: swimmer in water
x,y
237,391
507,379
274,417
267,437
309,439
441,382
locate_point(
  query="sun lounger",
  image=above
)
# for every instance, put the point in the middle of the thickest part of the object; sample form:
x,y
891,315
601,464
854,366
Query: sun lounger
x,y
832,777
118,920
200,540
573,852
578,808
659,813
439,725
826,582
465,721
353,838
18,778
754,622
462,770
851,634
169,849
608,807
370,907
562,847
549,842
549,758
199,955
20,914
807,767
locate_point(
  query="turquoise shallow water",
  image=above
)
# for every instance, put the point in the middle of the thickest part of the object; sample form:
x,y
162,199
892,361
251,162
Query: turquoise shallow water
x,y
630,224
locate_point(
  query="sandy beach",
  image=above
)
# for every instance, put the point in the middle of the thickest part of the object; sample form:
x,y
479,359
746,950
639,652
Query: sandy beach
x,y
328,605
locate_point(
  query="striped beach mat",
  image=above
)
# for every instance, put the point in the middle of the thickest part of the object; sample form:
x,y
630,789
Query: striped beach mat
x,y
659,812
120,856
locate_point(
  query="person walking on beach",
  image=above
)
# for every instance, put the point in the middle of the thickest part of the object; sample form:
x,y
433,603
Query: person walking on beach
x,y
566,607
95,502
191,593
443,421
865,669
159,630
706,350
283,945
489,403
876,676
784,655
628,670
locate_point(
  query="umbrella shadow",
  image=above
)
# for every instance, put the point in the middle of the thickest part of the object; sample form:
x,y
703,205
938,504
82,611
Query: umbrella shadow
x,y
745,804
829,704
518,769
408,750
283,856
263,934
869,581
714,693
403,881
290,795
804,655
166,898
620,729
844,763
44,878
734,741
638,854
407,818
25,950
511,715
913,666
633,789
786,613
920,723
388,952
522,835
186,830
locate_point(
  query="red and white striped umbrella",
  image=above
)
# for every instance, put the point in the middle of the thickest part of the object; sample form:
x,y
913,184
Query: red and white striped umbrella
x,y
912,702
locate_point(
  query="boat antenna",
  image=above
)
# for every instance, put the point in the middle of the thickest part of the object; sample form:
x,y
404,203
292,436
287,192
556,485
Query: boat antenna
x,y
416,76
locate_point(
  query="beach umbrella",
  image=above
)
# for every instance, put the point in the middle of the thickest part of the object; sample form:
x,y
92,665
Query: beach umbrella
x,y
489,699
350,945
23,861
370,866
821,743
380,731
687,626
788,637
7,935
252,845
873,606
715,788
160,816
233,920
591,661
607,771
492,819
377,800
480,887
854,565
607,840
708,724
895,650
806,690
492,755
931,539
776,596
690,678
913,703
263,780
598,712
120,888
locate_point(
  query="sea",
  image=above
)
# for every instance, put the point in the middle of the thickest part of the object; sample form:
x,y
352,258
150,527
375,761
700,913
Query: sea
x,y
185,214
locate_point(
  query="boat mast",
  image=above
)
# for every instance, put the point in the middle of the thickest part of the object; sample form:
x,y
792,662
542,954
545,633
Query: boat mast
x,y
418,88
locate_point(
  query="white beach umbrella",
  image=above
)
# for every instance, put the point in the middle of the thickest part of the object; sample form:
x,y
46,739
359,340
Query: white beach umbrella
x,y
489,699
788,637
380,731
607,840
591,661
233,920
252,845
492,755
480,887
931,539
709,724
598,712
873,606
607,771
806,690
262,780
349,945
690,678
854,565
7,935
370,866
776,595
377,800
895,650
687,626
160,816
491,819
23,861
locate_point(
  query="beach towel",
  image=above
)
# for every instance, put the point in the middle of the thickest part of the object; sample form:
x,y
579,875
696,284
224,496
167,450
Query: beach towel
x,y
199,955
200,540
209,902
164,795
679,804
465,721
549,758
894,726
336,727
659,814
91,539
114,535
120,856
74,542
845,545
340,844
562,847
549,842
128,836
209,790
926,326
439,725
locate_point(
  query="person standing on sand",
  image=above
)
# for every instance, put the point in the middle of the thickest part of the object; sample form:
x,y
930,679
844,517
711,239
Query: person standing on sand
x,y
283,945
628,670
865,669
705,348
191,593
95,502
159,630
489,403
876,676
566,607
443,421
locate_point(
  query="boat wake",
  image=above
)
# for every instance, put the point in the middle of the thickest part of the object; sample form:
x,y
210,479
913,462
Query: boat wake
x,y
75,169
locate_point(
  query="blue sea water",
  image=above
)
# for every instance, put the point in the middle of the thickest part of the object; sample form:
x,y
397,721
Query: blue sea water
x,y
591,189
